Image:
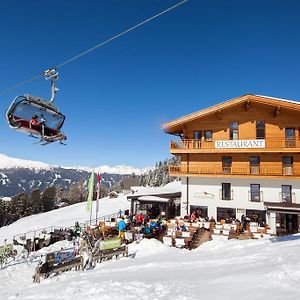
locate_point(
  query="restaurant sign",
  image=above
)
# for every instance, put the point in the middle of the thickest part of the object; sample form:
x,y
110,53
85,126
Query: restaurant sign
x,y
240,144
204,195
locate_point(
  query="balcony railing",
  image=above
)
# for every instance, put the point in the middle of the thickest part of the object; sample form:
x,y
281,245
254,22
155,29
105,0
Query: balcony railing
x,y
270,143
255,196
217,170
223,195
287,197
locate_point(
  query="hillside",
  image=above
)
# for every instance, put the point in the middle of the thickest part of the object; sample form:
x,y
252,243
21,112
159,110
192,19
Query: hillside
x,y
18,175
251,269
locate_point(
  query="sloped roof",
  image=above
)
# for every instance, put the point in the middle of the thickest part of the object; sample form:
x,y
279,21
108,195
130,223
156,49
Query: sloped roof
x,y
171,126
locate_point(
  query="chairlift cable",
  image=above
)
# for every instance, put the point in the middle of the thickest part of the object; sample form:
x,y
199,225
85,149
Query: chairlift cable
x,y
95,47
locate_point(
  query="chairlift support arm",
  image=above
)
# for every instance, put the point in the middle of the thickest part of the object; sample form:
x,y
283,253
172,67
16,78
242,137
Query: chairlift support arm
x,y
53,76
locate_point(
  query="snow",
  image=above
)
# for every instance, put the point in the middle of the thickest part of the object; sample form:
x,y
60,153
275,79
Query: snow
x,y
120,169
281,99
153,199
219,269
63,217
7,162
253,269
172,187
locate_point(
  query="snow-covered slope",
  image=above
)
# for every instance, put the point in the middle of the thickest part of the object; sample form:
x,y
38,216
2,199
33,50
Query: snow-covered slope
x,y
249,269
63,217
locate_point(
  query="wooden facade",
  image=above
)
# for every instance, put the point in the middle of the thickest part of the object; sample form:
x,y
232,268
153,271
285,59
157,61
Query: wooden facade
x,y
240,157
248,119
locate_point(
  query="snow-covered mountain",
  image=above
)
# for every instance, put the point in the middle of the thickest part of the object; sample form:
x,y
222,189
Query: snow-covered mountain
x,y
18,175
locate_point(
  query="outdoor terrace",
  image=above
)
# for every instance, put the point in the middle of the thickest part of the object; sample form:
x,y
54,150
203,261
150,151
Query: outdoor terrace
x,y
219,171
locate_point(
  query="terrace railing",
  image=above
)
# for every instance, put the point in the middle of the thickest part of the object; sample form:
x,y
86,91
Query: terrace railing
x,y
269,143
217,170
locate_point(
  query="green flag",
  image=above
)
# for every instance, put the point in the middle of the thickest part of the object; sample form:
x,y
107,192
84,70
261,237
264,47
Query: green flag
x,y
89,201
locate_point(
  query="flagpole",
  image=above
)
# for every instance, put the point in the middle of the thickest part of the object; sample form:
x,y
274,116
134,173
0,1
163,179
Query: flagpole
x,y
98,196
90,197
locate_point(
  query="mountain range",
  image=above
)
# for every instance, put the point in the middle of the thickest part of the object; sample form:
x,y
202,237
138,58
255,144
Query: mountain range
x,y
18,175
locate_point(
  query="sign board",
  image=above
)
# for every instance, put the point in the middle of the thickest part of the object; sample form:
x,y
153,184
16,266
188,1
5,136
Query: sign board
x,y
204,195
240,210
240,144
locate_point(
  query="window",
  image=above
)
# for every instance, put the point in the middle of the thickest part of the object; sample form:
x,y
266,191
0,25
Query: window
x,y
260,130
224,213
254,164
226,191
255,192
290,137
234,131
202,211
226,164
287,165
257,216
286,193
208,135
197,135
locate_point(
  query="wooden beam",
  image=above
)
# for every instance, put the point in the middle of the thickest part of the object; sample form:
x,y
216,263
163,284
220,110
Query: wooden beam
x,y
219,115
277,111
247,105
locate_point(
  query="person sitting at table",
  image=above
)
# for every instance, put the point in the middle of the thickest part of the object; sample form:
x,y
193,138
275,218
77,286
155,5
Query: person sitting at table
x,y
183,227
193,217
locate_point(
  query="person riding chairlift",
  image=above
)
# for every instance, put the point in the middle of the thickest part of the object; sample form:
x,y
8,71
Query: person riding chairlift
x,y
35,120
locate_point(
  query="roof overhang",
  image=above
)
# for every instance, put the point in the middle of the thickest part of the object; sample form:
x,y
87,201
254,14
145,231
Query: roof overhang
x,y
176,126
153,199
290,208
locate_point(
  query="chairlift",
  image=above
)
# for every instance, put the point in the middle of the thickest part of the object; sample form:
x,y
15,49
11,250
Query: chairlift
x,y
38,117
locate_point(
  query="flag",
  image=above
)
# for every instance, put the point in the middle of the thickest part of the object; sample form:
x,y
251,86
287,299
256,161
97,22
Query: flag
x,y
89,201
98,191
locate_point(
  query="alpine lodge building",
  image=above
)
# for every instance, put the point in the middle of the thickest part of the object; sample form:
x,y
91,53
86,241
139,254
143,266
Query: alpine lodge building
x,y
241,157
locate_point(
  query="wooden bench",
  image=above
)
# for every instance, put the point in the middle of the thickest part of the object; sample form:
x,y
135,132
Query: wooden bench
x,y
56,262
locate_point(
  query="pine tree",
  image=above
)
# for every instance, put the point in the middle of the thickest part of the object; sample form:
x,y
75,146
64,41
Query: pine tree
x,y
36,201
48,198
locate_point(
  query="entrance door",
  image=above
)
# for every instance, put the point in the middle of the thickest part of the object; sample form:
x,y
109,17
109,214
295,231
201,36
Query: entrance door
x,y
291,223
286,223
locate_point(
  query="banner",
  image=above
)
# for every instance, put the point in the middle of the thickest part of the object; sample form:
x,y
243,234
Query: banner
x,y
89,201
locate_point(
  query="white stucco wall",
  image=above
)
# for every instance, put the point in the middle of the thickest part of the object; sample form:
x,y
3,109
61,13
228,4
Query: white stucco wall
x,y
270,188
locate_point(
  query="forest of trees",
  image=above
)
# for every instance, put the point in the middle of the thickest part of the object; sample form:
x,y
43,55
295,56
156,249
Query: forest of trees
x,y
38,201
159,176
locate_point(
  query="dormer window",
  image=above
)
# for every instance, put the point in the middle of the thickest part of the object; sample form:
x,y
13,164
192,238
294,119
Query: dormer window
x,y
234,131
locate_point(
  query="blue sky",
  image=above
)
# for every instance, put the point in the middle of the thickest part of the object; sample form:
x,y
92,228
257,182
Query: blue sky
x,y
116,98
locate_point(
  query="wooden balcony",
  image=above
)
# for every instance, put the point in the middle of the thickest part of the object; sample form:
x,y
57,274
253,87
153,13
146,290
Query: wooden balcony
x,y
216,171
231,146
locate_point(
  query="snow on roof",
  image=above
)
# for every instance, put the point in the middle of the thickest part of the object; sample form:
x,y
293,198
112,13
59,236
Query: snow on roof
x,y
6,199
153,199
281,99
170,188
